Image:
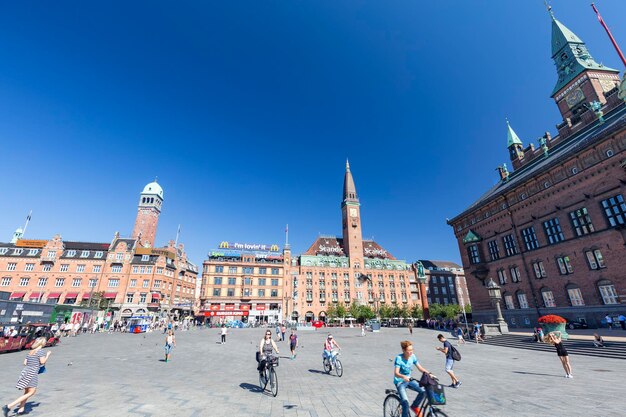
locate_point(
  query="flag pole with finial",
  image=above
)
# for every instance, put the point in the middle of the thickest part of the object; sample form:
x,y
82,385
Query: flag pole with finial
x,y
27,221
608,32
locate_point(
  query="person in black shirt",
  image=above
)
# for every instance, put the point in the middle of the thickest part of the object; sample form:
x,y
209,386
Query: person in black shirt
x,y
447,350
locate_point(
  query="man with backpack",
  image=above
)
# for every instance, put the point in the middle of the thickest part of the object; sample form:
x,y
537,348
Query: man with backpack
x,y
452,355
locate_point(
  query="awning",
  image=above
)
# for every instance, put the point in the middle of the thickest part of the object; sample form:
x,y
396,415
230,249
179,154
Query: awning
x,y
54,295
71,295
34,295
156,296
110,294
17,295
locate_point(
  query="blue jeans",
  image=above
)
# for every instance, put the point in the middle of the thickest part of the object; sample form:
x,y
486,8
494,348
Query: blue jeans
x,y
413,385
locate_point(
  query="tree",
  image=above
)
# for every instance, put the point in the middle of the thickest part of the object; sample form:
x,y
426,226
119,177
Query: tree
x,y
404,312
385,311
341,309
354,309
331,312
417,312
366,313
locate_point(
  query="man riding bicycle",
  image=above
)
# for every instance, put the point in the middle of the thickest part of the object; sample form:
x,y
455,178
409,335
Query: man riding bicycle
x,y
329,344
402,378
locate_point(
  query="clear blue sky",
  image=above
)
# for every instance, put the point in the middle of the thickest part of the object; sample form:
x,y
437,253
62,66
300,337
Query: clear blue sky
x,y
247,111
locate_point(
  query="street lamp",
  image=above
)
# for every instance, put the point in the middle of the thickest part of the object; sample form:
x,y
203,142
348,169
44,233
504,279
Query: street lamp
x,y
495,295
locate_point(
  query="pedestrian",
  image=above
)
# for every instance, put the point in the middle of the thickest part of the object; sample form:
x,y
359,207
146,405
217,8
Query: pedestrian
x,y
597,340
283,330
459,336
224,331
29,378
554,338
622,321
410,328
609,321
362,330
447,350
293,344
170,342
278,338
477,332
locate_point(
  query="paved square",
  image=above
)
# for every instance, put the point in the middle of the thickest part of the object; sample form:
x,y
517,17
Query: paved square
x,y
124,375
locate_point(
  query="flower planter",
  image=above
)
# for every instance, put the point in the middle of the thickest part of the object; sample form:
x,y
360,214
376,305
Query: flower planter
x,y
553,323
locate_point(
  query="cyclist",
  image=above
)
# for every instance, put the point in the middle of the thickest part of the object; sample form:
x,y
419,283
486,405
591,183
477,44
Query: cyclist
x,y
402,378
328,349
266,348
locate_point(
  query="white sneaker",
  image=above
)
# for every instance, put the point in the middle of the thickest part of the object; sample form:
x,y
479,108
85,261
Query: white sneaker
x,y
571,376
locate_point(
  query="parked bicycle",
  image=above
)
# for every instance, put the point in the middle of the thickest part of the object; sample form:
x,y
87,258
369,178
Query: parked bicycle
x,y
392,407
333,363
268,375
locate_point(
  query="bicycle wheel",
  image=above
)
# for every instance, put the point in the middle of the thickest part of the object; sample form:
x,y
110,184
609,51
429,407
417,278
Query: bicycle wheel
x,y
263,379
273,382
326,365
338,368
435,412
392,407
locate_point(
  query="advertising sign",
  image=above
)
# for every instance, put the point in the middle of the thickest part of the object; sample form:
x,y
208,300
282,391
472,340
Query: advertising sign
x,y
31,243
260,307
249,246
225,313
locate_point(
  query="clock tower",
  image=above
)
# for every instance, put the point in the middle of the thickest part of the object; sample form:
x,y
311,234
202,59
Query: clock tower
x,y
351,215
581,80
148,211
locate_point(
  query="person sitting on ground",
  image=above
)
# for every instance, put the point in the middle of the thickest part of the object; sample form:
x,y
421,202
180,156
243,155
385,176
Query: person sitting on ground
x,y
598,341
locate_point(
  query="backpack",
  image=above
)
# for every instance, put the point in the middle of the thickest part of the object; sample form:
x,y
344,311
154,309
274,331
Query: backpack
x,y
456,355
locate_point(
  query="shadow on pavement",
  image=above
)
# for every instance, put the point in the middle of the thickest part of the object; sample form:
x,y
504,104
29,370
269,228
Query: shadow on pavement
x,y
250,387
536,373
315,371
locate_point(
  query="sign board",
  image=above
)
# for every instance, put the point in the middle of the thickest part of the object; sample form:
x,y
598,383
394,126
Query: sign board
x,y
225,313
249,246
31,243
19,307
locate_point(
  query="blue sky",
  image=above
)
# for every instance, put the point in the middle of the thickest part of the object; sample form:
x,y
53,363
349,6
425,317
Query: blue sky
x,y
246,111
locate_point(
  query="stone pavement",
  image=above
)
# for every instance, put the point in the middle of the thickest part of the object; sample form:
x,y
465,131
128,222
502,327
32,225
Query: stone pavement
x,y
123,375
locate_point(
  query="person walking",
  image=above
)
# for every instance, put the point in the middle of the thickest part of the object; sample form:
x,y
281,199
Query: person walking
x,y
283,330
609,321
447,350
554,338
477,332
278,338
29,378
622,321
170,342
410,328
293,344
224,332
362,330
459,336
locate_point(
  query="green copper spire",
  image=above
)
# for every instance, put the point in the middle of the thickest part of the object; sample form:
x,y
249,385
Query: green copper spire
x,y
512,137
570,55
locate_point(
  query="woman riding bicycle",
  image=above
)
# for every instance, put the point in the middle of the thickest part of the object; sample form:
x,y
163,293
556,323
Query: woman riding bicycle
x,y
266,348
329,344
402,378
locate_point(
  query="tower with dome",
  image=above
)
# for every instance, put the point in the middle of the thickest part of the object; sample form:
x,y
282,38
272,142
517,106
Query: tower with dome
x,y
148,211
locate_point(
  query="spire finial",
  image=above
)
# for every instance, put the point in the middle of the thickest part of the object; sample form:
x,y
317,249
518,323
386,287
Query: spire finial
x,y
156,179
549,8
347,165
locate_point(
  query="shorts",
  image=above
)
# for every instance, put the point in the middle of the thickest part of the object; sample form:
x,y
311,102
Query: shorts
x,y
168,349
449,364
292,346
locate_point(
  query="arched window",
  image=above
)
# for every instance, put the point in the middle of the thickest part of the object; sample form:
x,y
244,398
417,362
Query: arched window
x,y
521,299
575,295
607,291
548,297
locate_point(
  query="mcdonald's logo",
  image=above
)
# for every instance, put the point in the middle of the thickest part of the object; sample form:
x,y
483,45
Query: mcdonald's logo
x,y
274,248
224,245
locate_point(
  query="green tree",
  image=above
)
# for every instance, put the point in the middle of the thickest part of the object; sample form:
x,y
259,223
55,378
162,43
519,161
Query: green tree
x,y
341,309
385,311
366,313
404,312
417,312
354,309
331,312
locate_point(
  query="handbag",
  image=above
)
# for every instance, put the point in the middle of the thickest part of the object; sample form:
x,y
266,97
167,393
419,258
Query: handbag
x,y
42,369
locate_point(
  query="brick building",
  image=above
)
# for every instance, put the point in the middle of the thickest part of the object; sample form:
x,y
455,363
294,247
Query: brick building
x,y
445,283
552,232
242,281
130,273
348,269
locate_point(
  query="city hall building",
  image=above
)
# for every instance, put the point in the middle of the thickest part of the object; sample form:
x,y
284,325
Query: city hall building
x,y
128,275
348,269
552,232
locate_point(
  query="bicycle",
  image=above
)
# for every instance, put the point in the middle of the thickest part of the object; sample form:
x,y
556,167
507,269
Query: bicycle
x,y
331,362
392,406
268,374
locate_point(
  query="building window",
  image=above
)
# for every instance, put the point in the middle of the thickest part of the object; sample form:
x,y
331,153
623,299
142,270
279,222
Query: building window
x,y
548,298
116,269
261,293
24,282
515,275
275,271
92,283
84,254
540,271
142,297
145,258
230,292
262,281
52,254
521,299
135,269
11,266
608,293
595,259
510,248
133,283
614,210
217,292
553,231
530,238
564,264
274,293
494,251
42,282
97,268
71,253
157,283
119,257
129,297
98,254
76,282
217,281
575,296
113,283
59,282
473,254
219,268
65,267
232,281
5,281
145,283
508,302
29,267
502,276
47,268
581,221
248,270
275,283
80,268
232,269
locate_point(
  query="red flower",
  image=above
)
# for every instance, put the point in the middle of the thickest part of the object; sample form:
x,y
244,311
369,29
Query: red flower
x,y
552,319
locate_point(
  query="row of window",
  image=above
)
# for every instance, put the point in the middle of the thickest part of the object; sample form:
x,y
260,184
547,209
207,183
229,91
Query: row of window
x,y
77,282
247,292
444,301
246,281
247,270
605,288
29,267
614,210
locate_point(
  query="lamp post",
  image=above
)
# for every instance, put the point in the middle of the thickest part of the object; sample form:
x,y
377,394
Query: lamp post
x,y
496,296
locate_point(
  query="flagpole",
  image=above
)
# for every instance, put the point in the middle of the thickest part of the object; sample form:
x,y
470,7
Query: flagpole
x,y
619,51
287,235
177,234
26,224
